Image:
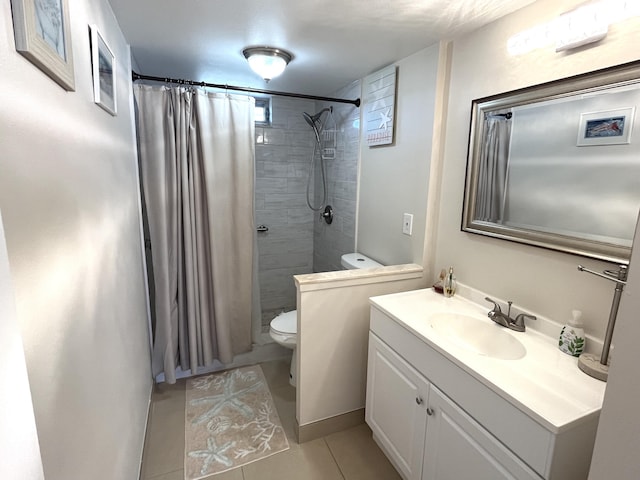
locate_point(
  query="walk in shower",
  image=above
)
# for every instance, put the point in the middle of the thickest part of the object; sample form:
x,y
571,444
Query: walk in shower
x,y
300,170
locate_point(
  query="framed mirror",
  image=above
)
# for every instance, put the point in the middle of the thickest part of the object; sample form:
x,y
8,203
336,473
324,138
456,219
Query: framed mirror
x,y
557,165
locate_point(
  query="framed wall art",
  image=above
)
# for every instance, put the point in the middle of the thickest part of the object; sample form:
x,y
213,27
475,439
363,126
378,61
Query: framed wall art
x,y
42,35
379,90
608,127
103,64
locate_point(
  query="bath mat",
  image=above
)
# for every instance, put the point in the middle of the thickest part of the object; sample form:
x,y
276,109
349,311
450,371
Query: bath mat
x,y
230,421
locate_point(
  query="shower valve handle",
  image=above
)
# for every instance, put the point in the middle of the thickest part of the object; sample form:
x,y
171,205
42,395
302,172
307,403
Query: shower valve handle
x,y
327,215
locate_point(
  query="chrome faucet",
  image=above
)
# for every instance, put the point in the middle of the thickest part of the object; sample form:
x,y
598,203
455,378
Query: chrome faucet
x,y
497,315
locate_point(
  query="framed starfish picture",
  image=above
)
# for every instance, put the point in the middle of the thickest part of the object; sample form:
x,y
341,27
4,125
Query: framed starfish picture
x,y
379,100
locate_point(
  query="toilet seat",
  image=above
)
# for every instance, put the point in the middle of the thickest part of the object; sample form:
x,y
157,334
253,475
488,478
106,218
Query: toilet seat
x,y
286,324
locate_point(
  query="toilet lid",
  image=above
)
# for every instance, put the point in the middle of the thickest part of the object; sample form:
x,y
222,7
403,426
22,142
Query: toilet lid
x,y
286,322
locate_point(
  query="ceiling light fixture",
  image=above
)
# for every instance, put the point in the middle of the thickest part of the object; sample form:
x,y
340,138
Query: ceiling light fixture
x,y
268,62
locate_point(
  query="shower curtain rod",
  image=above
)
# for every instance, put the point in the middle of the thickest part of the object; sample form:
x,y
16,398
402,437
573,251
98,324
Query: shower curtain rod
x,y
138,76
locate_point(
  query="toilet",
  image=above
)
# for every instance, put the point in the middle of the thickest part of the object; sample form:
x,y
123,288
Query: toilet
x,y
284,328
284,331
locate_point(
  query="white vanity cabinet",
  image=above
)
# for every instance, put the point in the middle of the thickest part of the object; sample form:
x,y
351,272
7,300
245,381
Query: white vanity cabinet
x,y
457,447
439,414
396,407
425,434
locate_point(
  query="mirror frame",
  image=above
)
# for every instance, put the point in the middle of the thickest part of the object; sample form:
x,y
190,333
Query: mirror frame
x,y
625,74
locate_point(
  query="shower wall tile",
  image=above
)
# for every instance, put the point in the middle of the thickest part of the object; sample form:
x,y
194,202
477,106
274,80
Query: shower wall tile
x,y
332,241
299,169
282,104
271,219
276,248
285,260
274,136
298,241
297,216
343,205
344,189
275,304
297,122
273,169
266,185
297,185
282,201
277,288
273,153
267,246
282,166
297,138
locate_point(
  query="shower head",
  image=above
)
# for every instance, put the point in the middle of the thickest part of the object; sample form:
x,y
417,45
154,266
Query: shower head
x,y
314,119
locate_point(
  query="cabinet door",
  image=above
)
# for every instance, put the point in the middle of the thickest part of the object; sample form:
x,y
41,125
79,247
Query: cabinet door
x,y
458,448
396,407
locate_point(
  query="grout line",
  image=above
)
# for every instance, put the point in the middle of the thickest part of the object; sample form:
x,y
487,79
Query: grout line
x,y
334,458
163,474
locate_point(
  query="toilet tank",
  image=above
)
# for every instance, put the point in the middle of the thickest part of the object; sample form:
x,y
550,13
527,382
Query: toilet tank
x,y
353,261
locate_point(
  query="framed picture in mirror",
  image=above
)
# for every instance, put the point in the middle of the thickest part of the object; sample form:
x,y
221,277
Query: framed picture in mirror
x,y
610,127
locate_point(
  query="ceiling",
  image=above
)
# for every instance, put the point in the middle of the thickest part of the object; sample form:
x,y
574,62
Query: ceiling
x,y
334,42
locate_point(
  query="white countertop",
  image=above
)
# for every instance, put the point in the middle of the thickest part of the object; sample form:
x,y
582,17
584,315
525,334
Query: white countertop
x,y
546,384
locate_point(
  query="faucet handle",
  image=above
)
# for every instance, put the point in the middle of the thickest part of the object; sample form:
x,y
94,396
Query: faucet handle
x,y
519,321
496,307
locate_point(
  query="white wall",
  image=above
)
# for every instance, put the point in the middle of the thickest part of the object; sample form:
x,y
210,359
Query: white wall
x,y
394,179
18,436
616,450
69,197
539,280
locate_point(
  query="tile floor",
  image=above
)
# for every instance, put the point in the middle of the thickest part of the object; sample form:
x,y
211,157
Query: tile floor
x,y
348,455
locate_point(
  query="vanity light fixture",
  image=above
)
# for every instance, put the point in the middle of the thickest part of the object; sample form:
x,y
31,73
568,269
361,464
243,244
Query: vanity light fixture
x,y
268,62
581,26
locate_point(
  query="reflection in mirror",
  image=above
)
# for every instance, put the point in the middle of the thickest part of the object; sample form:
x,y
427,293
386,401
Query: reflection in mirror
x,y
557,166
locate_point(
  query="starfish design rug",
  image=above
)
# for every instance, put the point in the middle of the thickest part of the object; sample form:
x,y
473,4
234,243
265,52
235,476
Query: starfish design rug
x,y
230,421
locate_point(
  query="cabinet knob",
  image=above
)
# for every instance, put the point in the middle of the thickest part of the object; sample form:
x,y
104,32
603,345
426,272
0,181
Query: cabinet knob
x,y
419,400
429,411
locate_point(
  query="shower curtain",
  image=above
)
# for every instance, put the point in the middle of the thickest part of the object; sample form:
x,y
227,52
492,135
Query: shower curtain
x,y
197,169
493,170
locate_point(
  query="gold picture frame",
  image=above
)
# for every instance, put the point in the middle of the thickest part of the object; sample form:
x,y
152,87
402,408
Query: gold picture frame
x,y
42,34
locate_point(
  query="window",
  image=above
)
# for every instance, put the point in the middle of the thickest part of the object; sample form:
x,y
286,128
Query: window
x,y
263,112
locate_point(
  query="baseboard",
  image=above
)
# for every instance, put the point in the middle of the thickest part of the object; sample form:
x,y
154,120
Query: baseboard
x,y
141,473
325,427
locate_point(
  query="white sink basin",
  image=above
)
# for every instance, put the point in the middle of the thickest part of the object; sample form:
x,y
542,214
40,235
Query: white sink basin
x,y
477,336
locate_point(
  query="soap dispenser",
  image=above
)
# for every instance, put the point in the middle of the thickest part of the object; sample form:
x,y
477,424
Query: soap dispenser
x,y
449,288
572,338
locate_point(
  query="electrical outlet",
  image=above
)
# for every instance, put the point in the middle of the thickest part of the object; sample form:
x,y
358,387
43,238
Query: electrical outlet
x,y
407,223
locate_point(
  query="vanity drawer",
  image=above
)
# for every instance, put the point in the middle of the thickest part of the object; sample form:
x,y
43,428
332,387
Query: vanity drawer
x,y
530,441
